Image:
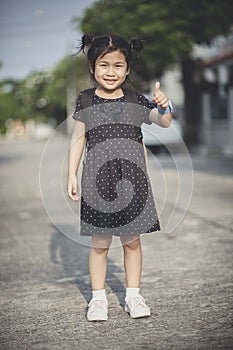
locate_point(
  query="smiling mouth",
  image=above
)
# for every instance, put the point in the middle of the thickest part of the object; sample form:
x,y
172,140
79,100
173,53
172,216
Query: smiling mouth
x,y
110,81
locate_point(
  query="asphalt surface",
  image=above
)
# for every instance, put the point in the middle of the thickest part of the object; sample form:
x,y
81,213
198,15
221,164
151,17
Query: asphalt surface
x,y
187,275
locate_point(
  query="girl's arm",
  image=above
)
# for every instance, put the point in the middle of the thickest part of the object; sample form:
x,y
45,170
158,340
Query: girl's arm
x,y
77,144
161,115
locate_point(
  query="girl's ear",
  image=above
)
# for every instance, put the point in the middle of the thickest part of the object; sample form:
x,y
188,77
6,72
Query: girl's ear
x,y
128,71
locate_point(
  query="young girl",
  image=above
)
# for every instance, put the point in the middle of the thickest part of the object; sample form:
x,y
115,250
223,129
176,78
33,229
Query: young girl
x,y
116,196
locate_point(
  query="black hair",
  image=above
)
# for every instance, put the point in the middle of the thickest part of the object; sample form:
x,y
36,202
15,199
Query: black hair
x,y
99,46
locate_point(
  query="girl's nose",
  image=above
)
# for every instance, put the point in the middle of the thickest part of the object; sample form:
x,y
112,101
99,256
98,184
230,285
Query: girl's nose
x,y
110,71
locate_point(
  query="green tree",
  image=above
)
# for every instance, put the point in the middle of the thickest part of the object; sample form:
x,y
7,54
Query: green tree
x,y
9,106
170,28
42,95
69,71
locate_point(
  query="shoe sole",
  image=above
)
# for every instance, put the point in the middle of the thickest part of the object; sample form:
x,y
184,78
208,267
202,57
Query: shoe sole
x,y
137,315
97,318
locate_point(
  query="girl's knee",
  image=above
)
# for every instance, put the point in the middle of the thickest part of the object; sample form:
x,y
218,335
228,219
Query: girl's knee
x,y
99,251
131,242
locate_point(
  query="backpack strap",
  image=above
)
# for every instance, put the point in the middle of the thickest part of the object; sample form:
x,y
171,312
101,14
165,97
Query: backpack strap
x,y
130,96
86,97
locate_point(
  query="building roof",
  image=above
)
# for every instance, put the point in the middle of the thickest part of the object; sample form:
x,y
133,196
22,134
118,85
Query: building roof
x,y
222,57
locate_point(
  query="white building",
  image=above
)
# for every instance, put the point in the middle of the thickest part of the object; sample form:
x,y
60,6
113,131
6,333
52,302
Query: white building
x,y
215,79
217,101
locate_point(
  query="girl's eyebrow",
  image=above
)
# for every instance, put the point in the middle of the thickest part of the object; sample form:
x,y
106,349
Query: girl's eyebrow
x,y
117,62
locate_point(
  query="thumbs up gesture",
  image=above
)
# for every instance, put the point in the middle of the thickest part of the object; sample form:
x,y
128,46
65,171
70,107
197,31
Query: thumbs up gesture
x,y
159,97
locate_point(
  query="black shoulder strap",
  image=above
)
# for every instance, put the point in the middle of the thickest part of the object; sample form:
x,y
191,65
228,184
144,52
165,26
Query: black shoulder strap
x,y
130,96
86,98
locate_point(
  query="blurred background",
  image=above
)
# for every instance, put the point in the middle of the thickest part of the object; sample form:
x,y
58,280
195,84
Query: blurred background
x,y
189,51
188,272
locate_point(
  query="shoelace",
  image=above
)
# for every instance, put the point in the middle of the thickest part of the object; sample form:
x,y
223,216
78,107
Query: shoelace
x,y
135,302
98,305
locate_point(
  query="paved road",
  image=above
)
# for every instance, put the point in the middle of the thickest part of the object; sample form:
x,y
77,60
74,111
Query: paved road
x,y
187,274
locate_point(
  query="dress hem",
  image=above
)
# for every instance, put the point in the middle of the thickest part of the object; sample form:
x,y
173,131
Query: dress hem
x,y
154,228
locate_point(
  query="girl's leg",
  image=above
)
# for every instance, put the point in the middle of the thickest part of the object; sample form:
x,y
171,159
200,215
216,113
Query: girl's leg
x,y
134,303
98,260
132,260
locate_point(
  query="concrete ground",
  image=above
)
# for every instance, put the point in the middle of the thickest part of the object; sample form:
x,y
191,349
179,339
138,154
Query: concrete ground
x,y
187,275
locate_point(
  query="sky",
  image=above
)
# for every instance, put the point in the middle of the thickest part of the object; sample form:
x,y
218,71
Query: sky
x,y
37,34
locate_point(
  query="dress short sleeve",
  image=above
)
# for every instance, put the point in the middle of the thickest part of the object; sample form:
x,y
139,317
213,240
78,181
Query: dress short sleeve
x,y
143,101
78,115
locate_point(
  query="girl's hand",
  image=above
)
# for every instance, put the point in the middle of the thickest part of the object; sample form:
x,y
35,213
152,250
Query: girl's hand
x,y
159,97
72,188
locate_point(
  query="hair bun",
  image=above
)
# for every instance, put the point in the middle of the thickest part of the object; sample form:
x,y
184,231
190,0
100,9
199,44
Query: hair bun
x,y
137,45
86,40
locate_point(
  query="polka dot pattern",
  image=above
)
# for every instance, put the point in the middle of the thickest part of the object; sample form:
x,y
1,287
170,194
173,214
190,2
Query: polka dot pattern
x,y
116,195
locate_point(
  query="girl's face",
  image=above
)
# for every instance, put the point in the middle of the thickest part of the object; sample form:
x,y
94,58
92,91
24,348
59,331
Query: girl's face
x,y
111,71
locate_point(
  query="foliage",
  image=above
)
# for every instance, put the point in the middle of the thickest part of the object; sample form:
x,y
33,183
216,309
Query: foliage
x,y
42,95
169,27
68,71
8,104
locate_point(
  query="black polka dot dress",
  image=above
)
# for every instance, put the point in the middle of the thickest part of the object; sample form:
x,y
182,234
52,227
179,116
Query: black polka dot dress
x,y
116,194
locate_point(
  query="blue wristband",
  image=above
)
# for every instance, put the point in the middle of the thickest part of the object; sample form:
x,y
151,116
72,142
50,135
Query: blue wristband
x,y
167,110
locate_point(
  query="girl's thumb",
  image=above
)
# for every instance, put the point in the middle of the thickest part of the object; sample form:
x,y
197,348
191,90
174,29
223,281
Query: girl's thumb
x,y
157,87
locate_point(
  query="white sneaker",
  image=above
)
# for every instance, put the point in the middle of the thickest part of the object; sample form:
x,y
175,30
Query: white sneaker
x,y
136,307
97,310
